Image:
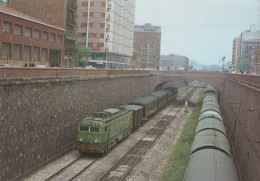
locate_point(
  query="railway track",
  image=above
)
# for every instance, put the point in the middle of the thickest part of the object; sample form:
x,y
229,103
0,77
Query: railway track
x,y
72,170
124,166
75,169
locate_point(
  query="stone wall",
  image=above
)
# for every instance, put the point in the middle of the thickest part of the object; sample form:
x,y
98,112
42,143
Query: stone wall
x,y
39,117
240,104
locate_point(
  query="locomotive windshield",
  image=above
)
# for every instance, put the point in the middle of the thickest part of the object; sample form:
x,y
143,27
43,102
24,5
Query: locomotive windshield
x,y
84,128
94,129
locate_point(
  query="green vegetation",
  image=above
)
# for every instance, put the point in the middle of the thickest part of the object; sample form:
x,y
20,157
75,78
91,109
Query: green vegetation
x,y
179,159
242,65
83,52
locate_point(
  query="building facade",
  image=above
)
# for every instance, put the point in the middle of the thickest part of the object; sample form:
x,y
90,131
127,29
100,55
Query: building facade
x,y
25,41
242,46
255,60
147,46
58,13
107,28
174,62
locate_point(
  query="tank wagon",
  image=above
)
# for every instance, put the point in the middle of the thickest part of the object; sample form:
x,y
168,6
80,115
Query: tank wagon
x,y
210,153
103,130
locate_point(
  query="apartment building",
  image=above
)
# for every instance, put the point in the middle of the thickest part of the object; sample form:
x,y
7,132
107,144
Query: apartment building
x,y
242,46
58,13
147,46
26,41
107,28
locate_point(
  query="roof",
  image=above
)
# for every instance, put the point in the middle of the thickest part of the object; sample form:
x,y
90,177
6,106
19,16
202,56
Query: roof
x,y
212,124
159,94
210,164
21,15
211,139
133,107
144,100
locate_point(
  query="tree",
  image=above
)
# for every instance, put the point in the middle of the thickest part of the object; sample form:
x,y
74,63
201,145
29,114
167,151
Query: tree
x,y
83,52
242,65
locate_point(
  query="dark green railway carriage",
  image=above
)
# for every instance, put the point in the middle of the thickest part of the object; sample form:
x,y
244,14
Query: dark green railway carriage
x,y
172,94
137,115
148,102
162,97
100,132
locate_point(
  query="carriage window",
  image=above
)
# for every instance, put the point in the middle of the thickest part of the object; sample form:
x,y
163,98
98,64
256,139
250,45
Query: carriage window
x,y
84,128
94,129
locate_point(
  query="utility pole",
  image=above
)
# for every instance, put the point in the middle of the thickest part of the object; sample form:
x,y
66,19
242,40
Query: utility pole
x,y
87,36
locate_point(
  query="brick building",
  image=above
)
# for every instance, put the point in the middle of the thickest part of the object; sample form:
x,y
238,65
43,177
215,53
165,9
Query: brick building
x,y
255,60
58,13
174,62
107,28
25,40
147,45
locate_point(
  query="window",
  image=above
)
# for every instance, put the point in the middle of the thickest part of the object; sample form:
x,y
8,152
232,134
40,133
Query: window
x,y
44,54
94,129
17,52
27,53
18,29
52,37
84,128
7,27
36,53
45,35
59,38
37,34
28,32
6,49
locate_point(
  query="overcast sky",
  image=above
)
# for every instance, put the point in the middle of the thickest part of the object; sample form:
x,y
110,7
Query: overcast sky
x,y
202,30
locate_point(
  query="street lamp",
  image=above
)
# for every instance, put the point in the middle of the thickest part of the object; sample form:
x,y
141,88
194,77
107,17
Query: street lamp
x,y
223,60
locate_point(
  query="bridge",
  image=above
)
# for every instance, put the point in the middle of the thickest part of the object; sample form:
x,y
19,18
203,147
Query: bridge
x,y
40,109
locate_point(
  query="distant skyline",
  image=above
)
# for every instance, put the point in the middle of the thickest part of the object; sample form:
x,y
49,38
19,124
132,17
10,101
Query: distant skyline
x,y
202,30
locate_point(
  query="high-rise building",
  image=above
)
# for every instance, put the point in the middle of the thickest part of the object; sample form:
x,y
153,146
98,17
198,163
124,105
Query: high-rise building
x,y
147,46
59,13
242,46
107,28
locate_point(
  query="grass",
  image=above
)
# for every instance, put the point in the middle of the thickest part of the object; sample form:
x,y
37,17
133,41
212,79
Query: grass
x,y
179,158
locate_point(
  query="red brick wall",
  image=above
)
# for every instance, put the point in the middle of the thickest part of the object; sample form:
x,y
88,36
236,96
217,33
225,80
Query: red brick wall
x,y
23,40
45,10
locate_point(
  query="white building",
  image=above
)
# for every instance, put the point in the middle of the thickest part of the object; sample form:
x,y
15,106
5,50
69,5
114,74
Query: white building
x,y
107,27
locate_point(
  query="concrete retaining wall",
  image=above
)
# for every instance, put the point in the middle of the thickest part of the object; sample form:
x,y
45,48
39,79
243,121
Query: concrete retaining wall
x,y
240,105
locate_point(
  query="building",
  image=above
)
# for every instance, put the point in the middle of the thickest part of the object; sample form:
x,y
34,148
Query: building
x,y
236,53
107,28
58,13
255,60
25,40
147,46
174,62
242,46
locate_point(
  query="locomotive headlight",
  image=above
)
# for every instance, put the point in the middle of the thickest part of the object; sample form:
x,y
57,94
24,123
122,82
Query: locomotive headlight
x,y
81,139
96,141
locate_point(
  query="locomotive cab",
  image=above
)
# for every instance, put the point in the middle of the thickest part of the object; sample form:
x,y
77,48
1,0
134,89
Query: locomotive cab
x,y
91,136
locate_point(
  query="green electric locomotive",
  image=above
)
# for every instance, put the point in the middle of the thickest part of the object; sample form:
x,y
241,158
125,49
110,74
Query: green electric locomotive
x,y
100,132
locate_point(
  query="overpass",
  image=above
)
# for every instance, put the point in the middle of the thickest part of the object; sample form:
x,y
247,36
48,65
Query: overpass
x,y
40,109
